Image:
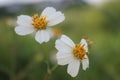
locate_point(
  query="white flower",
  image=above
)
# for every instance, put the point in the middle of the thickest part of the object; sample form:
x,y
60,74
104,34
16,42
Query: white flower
x,y
72,54
41,24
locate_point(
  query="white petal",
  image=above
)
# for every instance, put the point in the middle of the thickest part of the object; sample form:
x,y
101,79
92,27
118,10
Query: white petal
x,y
64,58
62,47
85,63
46,35
73,68
83,42
48,11
24,20
21,30
55,18
50,32
42,36
67,41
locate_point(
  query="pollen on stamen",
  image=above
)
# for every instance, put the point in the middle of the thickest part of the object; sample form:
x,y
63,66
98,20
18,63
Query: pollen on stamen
x,y
39,22
79,51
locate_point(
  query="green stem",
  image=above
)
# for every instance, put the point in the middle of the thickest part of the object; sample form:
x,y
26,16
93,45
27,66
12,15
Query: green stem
x,y
49,71
47,76
54,67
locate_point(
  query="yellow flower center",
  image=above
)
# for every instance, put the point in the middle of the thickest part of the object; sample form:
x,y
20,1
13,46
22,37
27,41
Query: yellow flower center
x,y
79,51
39,22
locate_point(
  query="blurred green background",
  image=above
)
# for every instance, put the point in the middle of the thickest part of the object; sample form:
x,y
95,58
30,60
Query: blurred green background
x,y
22,58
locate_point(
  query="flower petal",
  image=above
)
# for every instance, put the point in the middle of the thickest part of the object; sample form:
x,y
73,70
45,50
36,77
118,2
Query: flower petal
x,y
24,20
21,30
62,47
67,41
83,42
64,58
85,63
50,32
73,68
48,11
42,36
55,18
46,35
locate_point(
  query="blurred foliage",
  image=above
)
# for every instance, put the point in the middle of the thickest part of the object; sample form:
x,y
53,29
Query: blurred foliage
x,y
22,58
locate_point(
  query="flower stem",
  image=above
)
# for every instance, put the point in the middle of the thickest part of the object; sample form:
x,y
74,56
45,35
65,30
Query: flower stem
x,y
48,75
54,67
49,71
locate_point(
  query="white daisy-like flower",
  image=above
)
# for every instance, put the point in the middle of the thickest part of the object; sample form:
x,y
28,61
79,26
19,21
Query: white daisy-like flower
x,y
72,54
41,24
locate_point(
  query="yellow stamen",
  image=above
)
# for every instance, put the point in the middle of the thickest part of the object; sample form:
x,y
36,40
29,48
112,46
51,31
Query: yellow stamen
x,y
39,22
79,51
